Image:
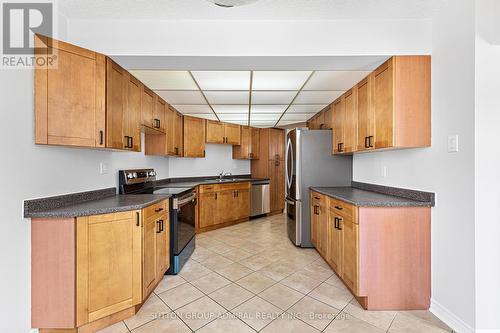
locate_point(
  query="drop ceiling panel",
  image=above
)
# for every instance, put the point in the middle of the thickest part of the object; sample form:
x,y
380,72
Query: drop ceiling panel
x,y
182,97
289,122
262,124
317,97
222,80
265,116
279,80
233,116
296,116
273,97
219,109
227,97
334,80
268,108
210,116
166,80
306,108
188,109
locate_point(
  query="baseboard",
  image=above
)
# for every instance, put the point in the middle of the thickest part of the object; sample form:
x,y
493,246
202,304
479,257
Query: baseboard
x,y
450,319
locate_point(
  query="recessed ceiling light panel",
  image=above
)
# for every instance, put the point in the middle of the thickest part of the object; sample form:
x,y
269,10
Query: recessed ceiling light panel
x,y
231,3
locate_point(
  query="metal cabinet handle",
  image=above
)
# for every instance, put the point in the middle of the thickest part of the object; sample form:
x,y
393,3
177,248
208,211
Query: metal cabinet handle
x,y
138,219
370,141
131,142
335,220
338,207
339,219
367,142
215,196
101,137
157,210
158,227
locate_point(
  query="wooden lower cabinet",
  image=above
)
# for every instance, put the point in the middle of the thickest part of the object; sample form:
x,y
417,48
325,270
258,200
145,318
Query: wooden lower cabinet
x,y
382,254
106,267
222,204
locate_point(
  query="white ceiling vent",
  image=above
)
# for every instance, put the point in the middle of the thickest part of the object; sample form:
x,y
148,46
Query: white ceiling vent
x,y
231,3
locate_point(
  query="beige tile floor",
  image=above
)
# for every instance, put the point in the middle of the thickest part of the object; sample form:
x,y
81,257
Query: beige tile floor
x,y
249,277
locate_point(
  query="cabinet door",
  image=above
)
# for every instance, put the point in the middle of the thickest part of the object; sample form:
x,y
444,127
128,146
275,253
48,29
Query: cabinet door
x,y
334,254
350,119
383,105
242,151
232,134
149,229
242,204
179,138
365,114
338,125
209,212
225,206
276,144
133,113
215,132
328,117
314,213
255,143
70,99
147,107
109,258
159,114
116,91
323,226
162,247
170,117
277,185
350,253
194,137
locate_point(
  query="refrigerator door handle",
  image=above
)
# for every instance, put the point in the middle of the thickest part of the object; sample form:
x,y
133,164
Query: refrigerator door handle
x,y
290,202
289,168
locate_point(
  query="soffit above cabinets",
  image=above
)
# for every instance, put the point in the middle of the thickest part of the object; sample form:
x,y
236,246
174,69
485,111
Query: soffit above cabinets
x,y
257,98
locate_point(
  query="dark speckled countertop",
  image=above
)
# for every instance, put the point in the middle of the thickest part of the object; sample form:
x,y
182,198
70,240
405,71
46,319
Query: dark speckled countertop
x,y
364,198
112,204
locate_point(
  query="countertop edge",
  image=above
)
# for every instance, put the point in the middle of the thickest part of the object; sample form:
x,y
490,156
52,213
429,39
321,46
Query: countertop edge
x,y
407,203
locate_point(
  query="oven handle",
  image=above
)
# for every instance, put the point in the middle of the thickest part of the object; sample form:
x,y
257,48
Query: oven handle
x,y
184,200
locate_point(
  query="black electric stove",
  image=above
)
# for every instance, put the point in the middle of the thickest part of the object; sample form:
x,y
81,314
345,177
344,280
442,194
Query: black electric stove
x,y
182,206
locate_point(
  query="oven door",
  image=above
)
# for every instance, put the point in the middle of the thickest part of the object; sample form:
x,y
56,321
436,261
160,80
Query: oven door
x,y
185,208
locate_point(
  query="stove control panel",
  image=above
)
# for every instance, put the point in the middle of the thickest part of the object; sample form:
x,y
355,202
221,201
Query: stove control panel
x,y
137,176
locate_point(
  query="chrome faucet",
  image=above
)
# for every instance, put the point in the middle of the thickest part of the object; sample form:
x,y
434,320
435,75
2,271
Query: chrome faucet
x,y
224,174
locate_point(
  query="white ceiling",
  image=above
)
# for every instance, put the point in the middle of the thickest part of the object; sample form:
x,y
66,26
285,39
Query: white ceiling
x,y
256,98
261,10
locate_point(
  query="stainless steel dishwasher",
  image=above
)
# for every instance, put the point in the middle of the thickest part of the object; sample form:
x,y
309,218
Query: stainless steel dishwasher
x,y
260,201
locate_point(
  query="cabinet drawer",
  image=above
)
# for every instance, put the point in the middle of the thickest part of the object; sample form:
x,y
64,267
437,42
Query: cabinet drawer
x,y
207,188
156,209
234,186
343,208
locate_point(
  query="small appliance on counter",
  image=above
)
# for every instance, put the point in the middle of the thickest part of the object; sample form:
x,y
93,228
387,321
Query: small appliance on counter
x,y
182,207
309,162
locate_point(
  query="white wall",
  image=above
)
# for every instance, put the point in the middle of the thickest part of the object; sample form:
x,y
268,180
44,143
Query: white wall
x,y
487,165
449,175
218,158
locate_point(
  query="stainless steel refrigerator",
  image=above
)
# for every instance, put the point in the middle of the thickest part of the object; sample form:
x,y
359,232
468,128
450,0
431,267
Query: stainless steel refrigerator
x,y
309,162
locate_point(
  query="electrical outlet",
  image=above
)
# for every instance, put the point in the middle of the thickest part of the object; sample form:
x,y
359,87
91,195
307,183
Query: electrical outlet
x,y
384,171
103,168
453,143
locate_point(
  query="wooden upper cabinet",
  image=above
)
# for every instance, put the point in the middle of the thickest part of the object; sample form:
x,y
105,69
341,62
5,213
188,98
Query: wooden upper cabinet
x,y
338,125
402,102
170,117
132,118
70,99
116,92
178,134
276,144
159,114
250,144
215,132
350,118
328,117
194,137
147,107
366,117
219,132
255,142
232,133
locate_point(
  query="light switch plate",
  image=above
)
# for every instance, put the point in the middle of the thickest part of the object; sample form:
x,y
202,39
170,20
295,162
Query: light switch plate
x,y
453,143
103,168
